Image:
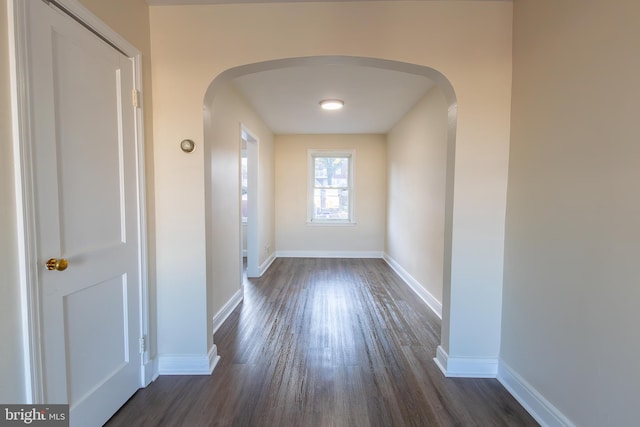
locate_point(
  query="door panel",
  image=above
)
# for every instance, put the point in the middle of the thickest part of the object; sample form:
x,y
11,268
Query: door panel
x,y
89,151
86,201
108,321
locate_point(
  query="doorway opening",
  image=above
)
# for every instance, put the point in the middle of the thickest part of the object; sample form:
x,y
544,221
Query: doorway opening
x,y
218,89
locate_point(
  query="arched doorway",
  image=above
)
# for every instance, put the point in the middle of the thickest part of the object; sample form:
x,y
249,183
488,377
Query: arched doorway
x,y
440,80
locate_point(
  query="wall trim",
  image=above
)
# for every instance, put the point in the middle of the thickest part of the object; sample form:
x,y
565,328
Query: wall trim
x,y
149,372
466,367
188,364
329,254
226,310
531,399
266,264
441,359
416,287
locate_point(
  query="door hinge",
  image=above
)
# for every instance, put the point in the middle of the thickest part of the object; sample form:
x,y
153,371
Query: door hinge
x,y
135,98
143,345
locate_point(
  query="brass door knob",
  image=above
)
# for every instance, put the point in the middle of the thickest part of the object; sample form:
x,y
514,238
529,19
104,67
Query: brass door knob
x,y
57,264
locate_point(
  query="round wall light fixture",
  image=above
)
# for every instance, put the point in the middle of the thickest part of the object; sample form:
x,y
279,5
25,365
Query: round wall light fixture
x,y
187,145
331,104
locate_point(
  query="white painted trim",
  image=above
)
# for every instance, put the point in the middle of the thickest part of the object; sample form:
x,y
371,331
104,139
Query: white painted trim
x,y
466,367
226,310
24,188
149,371
266,264
253,200
24,193
188,364
441,359
213,358
312,153
143,257
416,287
329,223
540,408
329,254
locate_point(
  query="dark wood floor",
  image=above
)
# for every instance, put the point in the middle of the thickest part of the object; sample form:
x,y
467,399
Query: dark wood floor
x,y
325,342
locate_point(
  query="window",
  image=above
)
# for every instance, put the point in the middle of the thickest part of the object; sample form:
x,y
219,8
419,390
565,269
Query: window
x,y
330,198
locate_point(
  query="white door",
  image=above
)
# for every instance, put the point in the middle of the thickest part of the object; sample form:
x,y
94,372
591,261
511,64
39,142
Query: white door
x,y
86,202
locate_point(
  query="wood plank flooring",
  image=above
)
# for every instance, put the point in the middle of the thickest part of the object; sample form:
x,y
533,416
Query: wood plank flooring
x,y
325,342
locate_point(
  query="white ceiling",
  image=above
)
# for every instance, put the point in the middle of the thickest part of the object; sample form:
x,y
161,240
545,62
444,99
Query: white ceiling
x,y
288,99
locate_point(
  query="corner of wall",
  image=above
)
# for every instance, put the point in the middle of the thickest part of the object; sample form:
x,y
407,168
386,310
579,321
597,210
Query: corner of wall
x,y
421,291
189,364
465,367
535,403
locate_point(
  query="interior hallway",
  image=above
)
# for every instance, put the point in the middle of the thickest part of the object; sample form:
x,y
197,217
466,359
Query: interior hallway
x,y
325,342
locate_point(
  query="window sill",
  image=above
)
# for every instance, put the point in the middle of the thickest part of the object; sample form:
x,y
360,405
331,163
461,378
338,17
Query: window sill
x,y
332,223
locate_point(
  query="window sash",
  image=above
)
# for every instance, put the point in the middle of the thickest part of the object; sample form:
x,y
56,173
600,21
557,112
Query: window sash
x,y
333,190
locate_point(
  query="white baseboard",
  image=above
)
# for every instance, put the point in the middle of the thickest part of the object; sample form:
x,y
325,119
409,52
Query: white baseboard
x,y
213,358
188,364
226,310
540,408
266,264
149,372
466,367
329,254
441,359
416,287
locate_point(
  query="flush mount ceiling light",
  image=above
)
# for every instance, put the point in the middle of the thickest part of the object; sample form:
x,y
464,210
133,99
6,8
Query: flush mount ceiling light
x,y
331,104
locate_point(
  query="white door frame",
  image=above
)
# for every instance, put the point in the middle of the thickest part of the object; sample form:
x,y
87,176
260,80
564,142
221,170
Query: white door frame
x,y
24,190
253,251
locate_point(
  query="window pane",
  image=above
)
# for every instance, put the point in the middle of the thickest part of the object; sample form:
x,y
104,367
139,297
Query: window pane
x,y
331,204
331,172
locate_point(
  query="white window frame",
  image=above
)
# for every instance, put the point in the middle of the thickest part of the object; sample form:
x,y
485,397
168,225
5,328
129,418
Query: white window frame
x,y
311,155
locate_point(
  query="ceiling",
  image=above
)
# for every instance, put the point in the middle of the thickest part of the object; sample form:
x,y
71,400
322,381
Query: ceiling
x,y
375,99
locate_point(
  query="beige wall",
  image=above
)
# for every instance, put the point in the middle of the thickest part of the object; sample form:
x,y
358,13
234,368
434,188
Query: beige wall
x,y
12,387
416,168
294,237
468,42
222,195
570,321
